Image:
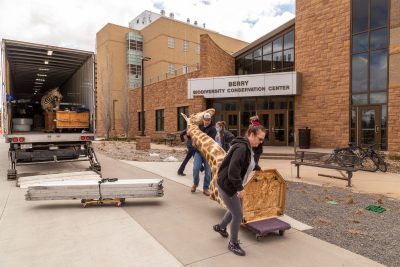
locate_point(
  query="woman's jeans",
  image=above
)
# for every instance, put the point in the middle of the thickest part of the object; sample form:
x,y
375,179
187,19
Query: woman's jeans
x,y
234,214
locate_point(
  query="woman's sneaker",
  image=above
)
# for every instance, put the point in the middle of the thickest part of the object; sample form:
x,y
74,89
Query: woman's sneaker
x,y
218,229
235,248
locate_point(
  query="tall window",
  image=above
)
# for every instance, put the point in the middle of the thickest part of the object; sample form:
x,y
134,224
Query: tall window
x,y
288,51
171,42
369,62
257,61
239,66
248,64
181,120
185,69
197,49
185,45
160,120
139,121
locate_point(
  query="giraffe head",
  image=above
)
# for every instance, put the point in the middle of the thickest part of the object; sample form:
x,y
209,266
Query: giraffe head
x,y
197,118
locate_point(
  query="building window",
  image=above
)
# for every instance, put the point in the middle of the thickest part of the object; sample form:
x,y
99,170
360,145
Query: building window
x,y
257,61
160,120
171,69
288,51
248,64
185,69
135,45
185,45
181,121
135,70
197,49
139,121
239,66
277,54
171,42
267,58
369,65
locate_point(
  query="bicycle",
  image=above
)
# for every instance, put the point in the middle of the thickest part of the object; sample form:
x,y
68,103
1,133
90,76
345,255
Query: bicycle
x,y
369,159
343,157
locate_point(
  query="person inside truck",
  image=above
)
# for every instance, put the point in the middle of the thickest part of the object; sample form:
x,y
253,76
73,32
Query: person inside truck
x,y
232,176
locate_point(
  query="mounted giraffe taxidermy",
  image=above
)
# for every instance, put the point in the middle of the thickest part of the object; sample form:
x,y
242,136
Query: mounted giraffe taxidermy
x,y
265,190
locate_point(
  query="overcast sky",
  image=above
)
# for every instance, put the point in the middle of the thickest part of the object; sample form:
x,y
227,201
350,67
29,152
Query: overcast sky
x,y
74,23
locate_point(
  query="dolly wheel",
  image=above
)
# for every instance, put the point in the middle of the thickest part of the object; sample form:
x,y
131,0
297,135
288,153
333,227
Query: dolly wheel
x,y
11,174
258,237
281,232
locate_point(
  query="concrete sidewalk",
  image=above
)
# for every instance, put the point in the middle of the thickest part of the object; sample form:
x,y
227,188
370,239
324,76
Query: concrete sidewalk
x,y
187,233
62,233
175,230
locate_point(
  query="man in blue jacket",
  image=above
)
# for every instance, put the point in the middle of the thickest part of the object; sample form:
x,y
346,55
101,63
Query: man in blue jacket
x,y
210,130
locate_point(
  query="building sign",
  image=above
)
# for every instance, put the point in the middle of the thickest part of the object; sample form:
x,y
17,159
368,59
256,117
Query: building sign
x,y
264,84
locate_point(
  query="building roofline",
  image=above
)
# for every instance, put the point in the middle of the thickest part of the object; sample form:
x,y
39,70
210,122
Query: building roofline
x,y
267,36
192,25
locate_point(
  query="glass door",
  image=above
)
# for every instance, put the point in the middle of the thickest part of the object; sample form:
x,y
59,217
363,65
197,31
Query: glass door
x,y
232,122
278,133
275,123
369,125
265,119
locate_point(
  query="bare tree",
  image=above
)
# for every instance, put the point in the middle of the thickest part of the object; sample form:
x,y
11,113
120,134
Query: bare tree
x,y
126,114
106,82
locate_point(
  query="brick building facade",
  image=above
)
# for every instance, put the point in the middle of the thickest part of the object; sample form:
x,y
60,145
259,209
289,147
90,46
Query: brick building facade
x,y
169,95
322,57
344,79
394,79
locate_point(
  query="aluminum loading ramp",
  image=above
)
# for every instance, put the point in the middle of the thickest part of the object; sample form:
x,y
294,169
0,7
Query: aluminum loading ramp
x,y
89,188
26,181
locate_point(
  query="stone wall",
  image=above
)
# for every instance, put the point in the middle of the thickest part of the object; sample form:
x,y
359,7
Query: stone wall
x,y
322,47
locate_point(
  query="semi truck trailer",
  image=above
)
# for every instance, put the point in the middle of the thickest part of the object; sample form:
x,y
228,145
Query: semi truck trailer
x,y
29,72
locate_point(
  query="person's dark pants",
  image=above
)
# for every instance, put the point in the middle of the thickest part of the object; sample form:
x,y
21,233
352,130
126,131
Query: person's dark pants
x,y
189,155
257,154
233,215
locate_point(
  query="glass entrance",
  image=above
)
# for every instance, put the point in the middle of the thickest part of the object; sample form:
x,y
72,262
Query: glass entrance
x,y
368,124
275,123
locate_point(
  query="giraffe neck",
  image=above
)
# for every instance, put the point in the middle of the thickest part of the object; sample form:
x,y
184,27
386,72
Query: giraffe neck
x,y
207,146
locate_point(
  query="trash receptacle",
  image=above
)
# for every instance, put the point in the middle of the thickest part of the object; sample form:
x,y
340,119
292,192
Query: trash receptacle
x,y
304,138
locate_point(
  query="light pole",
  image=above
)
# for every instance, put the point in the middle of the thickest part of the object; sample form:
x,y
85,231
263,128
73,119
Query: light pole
x,y
142,114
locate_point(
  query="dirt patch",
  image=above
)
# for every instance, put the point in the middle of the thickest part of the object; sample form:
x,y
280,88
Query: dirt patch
x,y
124,150
339,217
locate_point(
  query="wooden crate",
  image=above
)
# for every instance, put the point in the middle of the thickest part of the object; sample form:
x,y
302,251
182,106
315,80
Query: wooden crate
x,y
72,119
264,196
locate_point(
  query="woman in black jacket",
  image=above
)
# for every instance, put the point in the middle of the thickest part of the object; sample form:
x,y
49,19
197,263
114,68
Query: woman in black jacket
x,y
232,176
223,137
